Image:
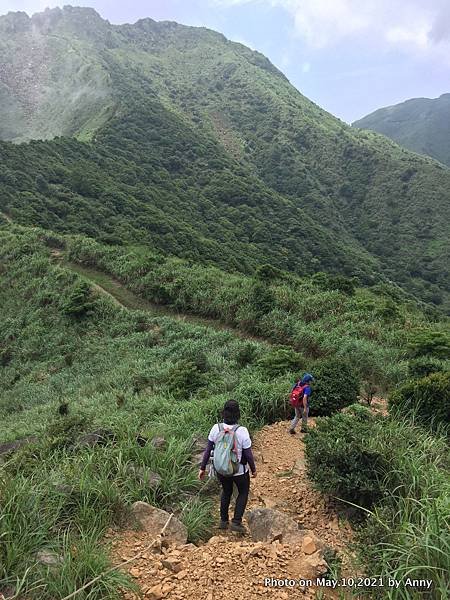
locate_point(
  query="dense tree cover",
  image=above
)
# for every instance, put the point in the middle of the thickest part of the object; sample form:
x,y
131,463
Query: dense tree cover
x,y
185,195
206,151
419,124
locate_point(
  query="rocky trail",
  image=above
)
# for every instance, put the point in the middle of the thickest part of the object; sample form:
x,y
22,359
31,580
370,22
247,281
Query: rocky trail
x,y
292,531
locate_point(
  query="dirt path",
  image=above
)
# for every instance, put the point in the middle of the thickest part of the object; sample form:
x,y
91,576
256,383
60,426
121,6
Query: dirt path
x,y
230,567
104,283
282,483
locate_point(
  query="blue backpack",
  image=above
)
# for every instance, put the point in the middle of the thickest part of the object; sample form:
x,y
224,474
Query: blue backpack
x,y
225,458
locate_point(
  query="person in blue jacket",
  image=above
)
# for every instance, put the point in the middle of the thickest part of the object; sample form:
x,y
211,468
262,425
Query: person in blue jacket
x,y
302,411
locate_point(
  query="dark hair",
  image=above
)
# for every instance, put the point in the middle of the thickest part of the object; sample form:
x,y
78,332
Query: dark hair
x,y
231,412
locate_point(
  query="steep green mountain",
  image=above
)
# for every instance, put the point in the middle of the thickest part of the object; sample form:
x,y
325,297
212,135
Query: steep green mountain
x,y
420,124
177,138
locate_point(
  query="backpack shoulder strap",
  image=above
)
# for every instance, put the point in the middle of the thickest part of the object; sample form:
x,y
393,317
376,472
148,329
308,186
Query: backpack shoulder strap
x,y
220,426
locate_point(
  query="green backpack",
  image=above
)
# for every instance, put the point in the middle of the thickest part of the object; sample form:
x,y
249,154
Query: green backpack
x,y
225,459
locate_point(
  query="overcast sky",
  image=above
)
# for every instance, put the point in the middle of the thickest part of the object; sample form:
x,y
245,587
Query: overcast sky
x,y
349,56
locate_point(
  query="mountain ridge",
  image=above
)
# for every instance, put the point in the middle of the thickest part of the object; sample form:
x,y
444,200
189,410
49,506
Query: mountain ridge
x,y
191,131
418,124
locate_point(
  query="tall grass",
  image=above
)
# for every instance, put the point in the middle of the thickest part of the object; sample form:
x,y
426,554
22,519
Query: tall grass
x,y
116,369
412,524
315,321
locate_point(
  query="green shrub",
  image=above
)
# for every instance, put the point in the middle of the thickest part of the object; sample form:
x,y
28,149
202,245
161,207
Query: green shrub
x,y
65,431
140,381
430,343
268,272
341,283
185,379
262,299
335,386
198,517
429,396
245,355
423,366
410,526
280,360
199,359
340,462
77,301
390,310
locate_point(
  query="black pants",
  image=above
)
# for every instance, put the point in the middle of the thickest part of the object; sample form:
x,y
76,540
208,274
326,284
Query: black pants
x,y
242,483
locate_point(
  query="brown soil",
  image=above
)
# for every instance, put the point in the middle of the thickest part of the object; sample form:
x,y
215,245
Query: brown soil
x,y
228,566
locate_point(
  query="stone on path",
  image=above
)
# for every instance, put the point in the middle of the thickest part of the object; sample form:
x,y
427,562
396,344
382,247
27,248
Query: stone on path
x,y
152,521
308,545
10,447
49,558
147,477
268,524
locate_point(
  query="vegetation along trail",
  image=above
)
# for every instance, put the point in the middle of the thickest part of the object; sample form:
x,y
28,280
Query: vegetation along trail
x,y
92,388
121,295
282,485
230,566
180,226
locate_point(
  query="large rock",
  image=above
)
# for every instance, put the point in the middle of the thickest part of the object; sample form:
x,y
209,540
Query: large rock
x,y
159,443
198,444
147,477
309,546
11,447
172,563
307,567
268,524
197,459
315,565
99,437
152,520
299,467
49,558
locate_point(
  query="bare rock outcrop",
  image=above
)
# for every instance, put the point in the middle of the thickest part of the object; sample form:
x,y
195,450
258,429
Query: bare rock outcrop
x,y
152,520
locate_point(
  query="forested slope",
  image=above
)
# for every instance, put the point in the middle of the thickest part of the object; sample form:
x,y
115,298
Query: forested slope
x,y
419,124
202,148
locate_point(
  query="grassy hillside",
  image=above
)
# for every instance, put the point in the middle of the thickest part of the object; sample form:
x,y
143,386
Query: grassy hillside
x,y
74,362
420,124
200,147
54,323
126,373
190,228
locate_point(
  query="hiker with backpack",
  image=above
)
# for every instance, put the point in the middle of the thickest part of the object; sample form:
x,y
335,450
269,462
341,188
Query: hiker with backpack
x,y
231,461
300,395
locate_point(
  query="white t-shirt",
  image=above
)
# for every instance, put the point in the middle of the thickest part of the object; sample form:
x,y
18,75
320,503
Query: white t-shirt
x,y
243,441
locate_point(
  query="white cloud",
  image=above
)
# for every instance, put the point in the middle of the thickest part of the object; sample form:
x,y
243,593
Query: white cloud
x,y
422,25
318,22
416,36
